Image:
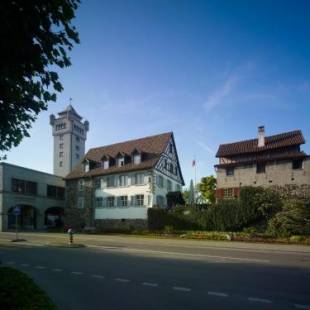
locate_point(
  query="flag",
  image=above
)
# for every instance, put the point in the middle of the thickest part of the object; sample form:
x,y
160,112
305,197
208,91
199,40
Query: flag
x,y
194,163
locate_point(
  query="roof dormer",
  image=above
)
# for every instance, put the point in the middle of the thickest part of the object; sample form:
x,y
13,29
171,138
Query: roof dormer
x,y
120,159
136,156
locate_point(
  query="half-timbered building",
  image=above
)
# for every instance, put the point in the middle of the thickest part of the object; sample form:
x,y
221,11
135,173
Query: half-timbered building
x,y
119,182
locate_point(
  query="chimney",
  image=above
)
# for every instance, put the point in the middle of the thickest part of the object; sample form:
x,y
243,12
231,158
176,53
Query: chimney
x,y
261,136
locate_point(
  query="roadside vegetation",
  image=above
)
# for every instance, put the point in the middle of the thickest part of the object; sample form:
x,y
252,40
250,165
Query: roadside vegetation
x,y
18,291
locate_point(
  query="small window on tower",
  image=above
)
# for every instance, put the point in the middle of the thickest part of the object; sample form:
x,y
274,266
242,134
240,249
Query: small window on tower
x,y
60,164
61,137
77,147
77,156
61,154
61,145
77,139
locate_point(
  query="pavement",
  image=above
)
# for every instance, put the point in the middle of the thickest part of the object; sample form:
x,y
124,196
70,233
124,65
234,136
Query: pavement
x,y
117,272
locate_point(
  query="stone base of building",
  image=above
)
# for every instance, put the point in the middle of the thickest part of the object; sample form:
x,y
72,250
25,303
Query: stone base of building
x,y
123,225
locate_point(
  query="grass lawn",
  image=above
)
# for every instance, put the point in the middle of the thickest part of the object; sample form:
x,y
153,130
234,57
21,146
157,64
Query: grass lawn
x,y
18,291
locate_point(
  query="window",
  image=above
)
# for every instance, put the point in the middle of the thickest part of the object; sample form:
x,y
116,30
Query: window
x,y
77,156
86,166
60,164
110,181
105,164
110,201
160,181
77,148
61,154
139,200
139,178
122,180
123,201
228,192
55,192
61,145
24,187
160,200
80,203
81,184
77,139
137,159
297,164
260,168
61,137
97,183
60,126
121,162
178,187
169,186
230,171
99,202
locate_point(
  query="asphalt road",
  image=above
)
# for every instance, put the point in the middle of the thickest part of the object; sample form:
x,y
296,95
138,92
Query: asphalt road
x,y
117,272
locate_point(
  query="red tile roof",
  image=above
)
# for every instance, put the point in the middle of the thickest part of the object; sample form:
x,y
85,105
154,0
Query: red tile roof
x,y
152,147
286,139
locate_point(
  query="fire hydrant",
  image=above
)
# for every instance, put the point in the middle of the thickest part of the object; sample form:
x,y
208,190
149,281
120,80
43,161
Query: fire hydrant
x,y
70,232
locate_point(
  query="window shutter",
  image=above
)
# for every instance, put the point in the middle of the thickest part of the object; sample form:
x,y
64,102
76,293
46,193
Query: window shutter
x,y
132,200
118,201
133,179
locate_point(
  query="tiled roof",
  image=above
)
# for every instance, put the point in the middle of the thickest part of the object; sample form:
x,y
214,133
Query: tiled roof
x,y
264,158
251,146
152,147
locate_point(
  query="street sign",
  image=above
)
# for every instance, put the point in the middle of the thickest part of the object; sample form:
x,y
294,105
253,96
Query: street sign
x,y
16,211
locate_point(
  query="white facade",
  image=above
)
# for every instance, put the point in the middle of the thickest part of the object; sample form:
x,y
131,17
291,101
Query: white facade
x,y
139,197
69,140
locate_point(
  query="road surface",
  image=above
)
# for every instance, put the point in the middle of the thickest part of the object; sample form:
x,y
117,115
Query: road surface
x,y
119,272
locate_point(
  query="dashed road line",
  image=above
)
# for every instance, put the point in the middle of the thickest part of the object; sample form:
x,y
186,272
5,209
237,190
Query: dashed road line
x,y
182,289
78,273
122,280
57,269
40,267
219,294
299,306
262,300
149,284
97,276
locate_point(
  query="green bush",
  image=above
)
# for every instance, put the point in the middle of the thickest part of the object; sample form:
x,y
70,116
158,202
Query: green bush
x,y
294,219
18,291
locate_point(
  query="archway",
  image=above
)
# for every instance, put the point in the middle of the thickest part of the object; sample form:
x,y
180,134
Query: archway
x,y
26,220
54,217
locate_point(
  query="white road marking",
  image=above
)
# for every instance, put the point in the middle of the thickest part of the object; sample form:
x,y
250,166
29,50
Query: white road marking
x,y
298,306
182,289
149,284
97,276
57,270
25,265
40,267
219,294
122,280
78,273
263,300
10,263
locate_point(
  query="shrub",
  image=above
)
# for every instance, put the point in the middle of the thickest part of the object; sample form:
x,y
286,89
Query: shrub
x,y
294,219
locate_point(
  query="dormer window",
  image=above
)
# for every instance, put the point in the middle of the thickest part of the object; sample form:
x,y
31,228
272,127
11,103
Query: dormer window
x,y
106,164
121,161
137,159
86,166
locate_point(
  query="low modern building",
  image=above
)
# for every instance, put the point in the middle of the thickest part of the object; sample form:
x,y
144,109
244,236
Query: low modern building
x,y
273,161
117,183
39,196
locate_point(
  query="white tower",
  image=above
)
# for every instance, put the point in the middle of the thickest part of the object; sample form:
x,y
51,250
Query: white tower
x,y
69,140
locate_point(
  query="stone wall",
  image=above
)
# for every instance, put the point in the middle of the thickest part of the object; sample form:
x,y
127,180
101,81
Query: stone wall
x,y
293,191
125,225
77,217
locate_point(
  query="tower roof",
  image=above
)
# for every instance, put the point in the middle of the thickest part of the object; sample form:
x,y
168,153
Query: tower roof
x,y
70,109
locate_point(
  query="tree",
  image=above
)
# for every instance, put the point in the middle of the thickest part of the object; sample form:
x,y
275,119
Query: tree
x,y
191,198
35,38
207,187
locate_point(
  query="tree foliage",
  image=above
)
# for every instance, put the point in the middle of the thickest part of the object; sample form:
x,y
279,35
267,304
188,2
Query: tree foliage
x,y
35,38
207,187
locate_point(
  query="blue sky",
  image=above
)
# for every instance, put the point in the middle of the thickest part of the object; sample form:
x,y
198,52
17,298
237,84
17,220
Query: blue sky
x,y
210,71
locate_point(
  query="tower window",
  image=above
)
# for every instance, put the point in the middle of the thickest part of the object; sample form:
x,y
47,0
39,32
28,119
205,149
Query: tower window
x,y
77,147
61,145
61,154
77,139
77,156
60,164
61,137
